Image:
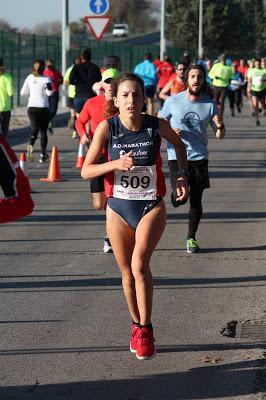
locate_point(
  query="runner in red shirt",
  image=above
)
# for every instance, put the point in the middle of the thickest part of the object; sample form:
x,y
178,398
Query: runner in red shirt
x,y
243,69
93,113
57,80
157,62
175,84
165,71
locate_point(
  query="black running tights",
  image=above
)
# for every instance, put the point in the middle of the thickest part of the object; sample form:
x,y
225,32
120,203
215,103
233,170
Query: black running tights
x,y
195,211
39,120
195,199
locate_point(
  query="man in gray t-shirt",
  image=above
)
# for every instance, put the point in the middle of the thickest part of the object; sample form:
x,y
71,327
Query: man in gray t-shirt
x,y
190,112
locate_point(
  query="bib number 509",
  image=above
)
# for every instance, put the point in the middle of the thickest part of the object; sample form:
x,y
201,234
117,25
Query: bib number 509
x,y
135,181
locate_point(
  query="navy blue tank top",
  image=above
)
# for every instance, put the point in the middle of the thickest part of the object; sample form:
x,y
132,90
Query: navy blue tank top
x,y
144,143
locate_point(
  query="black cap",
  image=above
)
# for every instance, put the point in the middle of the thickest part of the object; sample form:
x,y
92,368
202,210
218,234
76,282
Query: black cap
x,y
1,62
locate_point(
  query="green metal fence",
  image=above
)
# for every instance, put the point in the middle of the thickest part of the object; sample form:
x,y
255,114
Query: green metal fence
x,y
19,51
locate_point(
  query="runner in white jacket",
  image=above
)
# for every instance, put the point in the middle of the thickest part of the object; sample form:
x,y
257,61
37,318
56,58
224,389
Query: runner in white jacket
x,y
38,87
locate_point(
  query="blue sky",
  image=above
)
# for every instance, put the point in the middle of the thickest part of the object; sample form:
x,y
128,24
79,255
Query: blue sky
x,y
28,13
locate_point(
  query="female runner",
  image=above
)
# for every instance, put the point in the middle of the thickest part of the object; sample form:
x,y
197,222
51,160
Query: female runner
x,y
134,187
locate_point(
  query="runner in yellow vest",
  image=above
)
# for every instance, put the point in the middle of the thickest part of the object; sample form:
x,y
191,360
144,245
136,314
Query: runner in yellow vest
x,y
6,92
221,75
71,89
256,89
263,67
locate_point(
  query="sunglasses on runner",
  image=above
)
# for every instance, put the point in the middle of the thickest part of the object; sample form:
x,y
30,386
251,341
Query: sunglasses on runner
x,y
108,80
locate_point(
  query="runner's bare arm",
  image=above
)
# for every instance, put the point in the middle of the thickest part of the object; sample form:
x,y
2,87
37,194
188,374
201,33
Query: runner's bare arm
x,y
249,87
163,93
81,125
91,169
173,137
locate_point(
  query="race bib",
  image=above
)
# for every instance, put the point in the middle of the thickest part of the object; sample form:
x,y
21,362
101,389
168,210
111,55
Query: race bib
x,y
136,184
257,80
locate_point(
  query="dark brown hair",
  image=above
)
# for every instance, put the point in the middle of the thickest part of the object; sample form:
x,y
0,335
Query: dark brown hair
x,y
112,61
49,63
111,109
86,55
38,67
167,59
147,56
199,68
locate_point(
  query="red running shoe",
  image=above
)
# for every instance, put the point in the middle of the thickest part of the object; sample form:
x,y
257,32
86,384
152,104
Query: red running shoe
x,y
134,338
145,346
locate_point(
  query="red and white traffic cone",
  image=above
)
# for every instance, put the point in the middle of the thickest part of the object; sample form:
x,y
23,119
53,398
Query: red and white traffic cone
x,y
23,164
81,155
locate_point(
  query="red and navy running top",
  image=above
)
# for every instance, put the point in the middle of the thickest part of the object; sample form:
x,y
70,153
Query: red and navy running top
x,y
145,145
15,185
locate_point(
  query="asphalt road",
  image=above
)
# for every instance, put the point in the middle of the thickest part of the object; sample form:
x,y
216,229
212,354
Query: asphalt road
x,y
64,322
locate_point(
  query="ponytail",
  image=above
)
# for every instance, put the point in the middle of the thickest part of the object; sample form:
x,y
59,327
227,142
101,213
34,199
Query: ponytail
x,y
110,109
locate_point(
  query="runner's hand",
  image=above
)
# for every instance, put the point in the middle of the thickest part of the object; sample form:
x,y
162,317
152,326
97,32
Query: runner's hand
x,y
182,189
84,139
217,119
126,162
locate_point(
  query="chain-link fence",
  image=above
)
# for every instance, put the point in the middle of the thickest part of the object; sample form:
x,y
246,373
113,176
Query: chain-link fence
x,y
19,51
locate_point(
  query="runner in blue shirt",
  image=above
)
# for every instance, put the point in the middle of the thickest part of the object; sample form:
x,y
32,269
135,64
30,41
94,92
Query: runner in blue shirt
x,y
147,71
190,112
235,89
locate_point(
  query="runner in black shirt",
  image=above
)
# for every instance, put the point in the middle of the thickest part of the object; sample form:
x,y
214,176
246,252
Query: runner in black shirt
x,y
83,76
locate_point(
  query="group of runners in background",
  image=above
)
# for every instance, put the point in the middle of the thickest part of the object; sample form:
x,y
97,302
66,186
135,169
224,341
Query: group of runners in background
x,y
235,79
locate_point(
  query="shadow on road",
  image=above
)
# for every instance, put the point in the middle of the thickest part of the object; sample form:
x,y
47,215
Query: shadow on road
x,y
204,382
116,282
170,217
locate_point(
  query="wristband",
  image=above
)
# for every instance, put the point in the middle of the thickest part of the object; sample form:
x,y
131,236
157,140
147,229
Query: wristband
x,y
182,172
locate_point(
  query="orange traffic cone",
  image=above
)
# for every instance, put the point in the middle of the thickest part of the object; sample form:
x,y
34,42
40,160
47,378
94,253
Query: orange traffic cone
x,y
23,164
81,155
54,170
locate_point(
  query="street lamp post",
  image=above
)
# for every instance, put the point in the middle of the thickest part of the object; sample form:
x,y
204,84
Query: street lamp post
x,y
162,40
65,42
200,48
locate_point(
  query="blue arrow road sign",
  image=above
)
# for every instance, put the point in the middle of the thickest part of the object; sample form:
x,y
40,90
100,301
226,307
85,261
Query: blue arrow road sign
x,y
99,7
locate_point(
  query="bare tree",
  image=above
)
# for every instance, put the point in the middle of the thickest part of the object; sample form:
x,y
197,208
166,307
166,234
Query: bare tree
x,y
138,14
6,27
48,28
25,31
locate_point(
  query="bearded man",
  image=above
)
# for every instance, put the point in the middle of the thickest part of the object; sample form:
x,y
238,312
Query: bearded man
x,y
190,112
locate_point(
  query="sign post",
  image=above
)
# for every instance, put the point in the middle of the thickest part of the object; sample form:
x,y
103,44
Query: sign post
x,y
65,43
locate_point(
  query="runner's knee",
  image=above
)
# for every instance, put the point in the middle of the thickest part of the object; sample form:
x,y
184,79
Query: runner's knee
x,y
140,267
